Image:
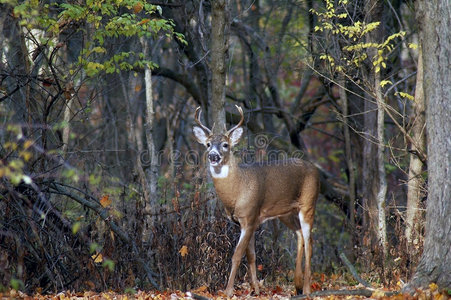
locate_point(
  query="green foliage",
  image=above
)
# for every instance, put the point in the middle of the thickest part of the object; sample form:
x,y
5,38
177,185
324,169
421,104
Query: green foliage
x,y
94,247
107,19
109,264
16,152
17,284
354,38
130,291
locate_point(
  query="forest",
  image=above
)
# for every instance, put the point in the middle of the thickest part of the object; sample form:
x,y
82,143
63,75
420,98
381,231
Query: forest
x,y
105,190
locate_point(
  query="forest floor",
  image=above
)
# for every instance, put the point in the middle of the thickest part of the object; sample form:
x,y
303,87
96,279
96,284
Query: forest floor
x,y
329,291
332,287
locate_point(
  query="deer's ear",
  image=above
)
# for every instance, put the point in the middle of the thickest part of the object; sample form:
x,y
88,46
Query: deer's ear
x,y
235,136
200,134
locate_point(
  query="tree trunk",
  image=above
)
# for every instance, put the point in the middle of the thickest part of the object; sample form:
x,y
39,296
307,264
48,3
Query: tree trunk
x,y
414,219
152,171
219,47
348,152
434,18
373,168
382,190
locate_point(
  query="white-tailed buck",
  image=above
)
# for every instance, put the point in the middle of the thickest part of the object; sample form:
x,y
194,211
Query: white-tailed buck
x,y
254,193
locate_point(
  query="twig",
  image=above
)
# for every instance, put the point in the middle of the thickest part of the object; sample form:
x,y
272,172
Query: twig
x,y
104,214
353,271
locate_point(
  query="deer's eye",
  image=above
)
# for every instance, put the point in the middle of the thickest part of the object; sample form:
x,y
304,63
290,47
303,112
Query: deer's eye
x,y
208,145
225,146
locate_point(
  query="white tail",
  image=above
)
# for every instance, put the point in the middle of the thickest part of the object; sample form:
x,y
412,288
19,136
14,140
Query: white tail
x,y
254,193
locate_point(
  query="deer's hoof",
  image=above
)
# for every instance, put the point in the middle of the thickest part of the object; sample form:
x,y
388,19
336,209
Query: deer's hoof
x,y
229,293
256,290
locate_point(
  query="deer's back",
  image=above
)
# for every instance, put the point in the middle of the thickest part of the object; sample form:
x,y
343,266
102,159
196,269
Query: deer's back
x,y
283,185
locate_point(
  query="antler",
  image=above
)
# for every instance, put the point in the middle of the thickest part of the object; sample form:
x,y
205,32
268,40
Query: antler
x,y
197,119
240,110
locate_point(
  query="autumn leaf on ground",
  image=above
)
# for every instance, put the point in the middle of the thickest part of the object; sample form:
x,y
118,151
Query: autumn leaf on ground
x,y
316,286
98,258
200,289
277,290
105,201
183,251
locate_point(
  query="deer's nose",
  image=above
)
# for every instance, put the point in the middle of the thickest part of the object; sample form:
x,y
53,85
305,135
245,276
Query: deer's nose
x,y
214,157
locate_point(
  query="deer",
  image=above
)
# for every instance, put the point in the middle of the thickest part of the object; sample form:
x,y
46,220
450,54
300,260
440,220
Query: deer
x,y
254,193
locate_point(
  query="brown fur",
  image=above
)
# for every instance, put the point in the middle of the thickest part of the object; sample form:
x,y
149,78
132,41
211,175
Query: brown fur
x,y
252,194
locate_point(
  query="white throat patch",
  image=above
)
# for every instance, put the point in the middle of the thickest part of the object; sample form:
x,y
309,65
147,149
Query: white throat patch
x,y
223,171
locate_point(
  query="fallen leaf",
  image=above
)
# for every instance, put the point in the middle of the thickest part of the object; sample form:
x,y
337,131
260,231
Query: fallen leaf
x,y
378,294
183,251
201,289
105,201
277,290
98,258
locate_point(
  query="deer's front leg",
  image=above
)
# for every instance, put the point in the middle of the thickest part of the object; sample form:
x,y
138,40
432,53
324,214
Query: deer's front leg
x,y
246,235
250,254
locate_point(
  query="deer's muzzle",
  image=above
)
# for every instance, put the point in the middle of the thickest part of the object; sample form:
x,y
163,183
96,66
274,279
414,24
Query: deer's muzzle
x,y
214,158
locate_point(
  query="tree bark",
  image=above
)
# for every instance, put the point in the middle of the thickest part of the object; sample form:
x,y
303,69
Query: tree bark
x,y
382,190
219,47
434,18
414,219
152,171
348,152
374,169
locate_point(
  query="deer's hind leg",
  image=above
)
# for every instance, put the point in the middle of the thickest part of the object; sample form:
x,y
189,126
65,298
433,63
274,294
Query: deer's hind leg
x,y
298,276
292,222
305,233
306,214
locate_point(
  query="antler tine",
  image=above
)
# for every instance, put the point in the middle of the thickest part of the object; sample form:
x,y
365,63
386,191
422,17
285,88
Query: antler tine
x,y
240,110
197,119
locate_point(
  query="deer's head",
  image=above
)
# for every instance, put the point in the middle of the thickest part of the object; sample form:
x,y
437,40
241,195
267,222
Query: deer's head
x,y
219,145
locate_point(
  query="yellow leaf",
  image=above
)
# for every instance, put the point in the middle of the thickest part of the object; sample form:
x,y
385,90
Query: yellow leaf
x,y
76,227
98,258
405,95
378,294
385,82
27,144
25,154
105,201
183,251
433,286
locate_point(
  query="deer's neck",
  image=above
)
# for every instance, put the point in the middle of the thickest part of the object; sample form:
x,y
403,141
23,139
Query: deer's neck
x,y
226,178
225,170
220,172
